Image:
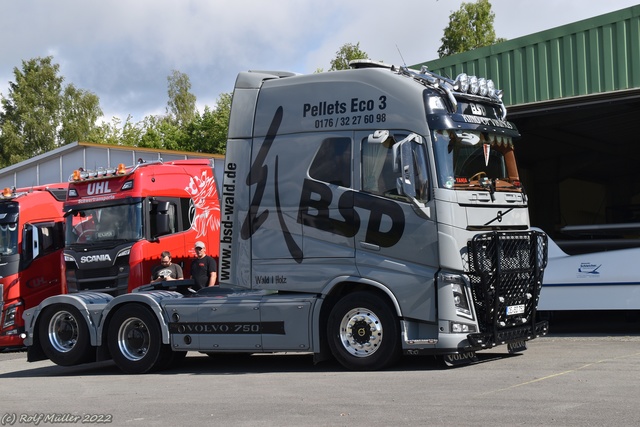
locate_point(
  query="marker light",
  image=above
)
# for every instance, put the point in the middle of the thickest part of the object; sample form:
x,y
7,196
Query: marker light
x,y
482,82
463,82
127,185
474,87
491,89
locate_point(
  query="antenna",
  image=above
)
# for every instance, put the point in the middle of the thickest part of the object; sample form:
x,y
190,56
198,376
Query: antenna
x,y
403,63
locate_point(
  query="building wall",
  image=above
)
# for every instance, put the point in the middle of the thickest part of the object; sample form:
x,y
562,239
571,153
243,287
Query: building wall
x,y
57,165
596,55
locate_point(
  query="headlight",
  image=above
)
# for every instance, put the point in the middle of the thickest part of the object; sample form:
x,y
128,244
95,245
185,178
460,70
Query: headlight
x,y
459,290
124,252
10,316
460,300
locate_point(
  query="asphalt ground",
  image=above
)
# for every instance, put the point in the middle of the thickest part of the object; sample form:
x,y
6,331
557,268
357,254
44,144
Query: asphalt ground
x,y
586,372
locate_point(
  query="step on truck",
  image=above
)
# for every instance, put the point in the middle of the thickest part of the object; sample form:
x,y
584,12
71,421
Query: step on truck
x,y
31,243
120,220
365,214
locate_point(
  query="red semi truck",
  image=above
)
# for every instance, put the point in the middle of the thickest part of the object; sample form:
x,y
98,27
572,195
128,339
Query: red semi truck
x,y
119,221
31,243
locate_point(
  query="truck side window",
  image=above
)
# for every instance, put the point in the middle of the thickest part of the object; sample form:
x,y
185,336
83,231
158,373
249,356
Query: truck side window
x,y
163,218
332,163
52,237
41,239
378,176
188,213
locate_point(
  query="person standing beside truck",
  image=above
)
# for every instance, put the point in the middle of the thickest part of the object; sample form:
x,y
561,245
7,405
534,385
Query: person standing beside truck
x,y
166,270
204,268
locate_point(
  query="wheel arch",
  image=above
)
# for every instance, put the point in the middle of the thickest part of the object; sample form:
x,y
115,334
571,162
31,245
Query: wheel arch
x,y
150,300
89,305
339,288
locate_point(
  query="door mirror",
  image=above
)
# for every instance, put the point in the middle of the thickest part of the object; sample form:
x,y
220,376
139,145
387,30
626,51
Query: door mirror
x,y
405,164
161,218
410,163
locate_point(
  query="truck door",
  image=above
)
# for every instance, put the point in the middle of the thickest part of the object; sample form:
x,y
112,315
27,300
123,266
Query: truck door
x,y
41,260
396,243
303,224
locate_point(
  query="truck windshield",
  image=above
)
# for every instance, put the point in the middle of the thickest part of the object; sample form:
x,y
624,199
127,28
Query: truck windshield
x,y
120,222
8,238
468,160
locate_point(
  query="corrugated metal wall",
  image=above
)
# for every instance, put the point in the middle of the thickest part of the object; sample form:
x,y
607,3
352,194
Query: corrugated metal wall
x,y
596,55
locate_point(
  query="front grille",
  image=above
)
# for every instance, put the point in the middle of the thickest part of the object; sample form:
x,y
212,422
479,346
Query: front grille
x,y
113,280
505,270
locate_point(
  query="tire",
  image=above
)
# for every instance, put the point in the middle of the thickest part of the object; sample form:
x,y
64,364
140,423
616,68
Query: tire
x,y
64,336
363,332
135,340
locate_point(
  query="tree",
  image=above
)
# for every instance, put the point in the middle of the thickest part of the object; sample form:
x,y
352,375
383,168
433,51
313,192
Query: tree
x,y
80,111
469,28
39,113
118,133
346,53
208,134
182,103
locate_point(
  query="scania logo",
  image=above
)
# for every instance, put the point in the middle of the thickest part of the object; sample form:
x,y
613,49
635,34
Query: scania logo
x,y
95,258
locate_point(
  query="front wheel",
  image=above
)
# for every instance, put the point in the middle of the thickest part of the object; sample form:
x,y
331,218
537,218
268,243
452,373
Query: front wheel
x,y
364,332
135,340
64,336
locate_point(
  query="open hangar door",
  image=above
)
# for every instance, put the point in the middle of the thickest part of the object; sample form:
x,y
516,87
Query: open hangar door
x,y
579,160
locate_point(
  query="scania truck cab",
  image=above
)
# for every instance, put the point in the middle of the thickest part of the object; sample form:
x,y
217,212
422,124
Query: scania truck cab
x,y
365,214
31,242
120,220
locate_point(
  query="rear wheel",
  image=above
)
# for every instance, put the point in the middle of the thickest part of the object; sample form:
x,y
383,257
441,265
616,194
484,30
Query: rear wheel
x,y
64,336
135,340
363,332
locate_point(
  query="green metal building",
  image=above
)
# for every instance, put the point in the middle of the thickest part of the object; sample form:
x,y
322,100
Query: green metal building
x,y
574,93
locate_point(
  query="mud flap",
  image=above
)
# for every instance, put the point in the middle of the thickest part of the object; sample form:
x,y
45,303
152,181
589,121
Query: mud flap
x,y
460,358
517,346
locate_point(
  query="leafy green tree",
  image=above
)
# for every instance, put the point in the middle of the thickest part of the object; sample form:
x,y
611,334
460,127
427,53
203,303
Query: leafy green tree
x,y
469,28
118,133
39,113
80,111
164,133
208,133
182,103
346,53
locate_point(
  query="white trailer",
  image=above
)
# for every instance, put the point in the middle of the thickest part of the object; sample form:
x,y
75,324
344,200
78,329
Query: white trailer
x,y
595,280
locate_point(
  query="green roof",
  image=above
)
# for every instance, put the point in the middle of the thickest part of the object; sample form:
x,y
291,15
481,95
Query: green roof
x,y
596,55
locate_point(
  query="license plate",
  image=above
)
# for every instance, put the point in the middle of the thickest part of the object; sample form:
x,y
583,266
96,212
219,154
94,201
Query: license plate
x,y
515,309
516,347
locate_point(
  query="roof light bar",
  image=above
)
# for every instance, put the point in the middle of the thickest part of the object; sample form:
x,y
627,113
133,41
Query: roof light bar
x,y
81,174
476,86
463,84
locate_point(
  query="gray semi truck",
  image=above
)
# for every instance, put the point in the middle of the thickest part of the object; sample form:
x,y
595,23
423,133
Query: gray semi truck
x,y
364,214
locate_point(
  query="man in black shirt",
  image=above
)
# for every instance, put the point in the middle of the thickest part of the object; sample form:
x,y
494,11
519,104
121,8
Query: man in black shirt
x,y
204,268
166,270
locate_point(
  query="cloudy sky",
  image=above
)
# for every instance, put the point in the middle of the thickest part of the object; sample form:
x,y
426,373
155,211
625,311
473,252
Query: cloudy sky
x,y
123,51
